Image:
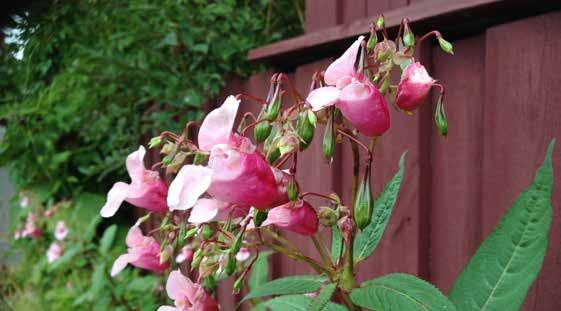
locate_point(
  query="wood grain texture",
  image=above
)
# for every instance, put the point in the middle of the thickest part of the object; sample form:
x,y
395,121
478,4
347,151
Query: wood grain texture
x,y
521,116
321,14
455,223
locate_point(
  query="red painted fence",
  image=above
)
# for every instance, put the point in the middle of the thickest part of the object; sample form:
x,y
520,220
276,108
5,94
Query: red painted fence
x,y
503,104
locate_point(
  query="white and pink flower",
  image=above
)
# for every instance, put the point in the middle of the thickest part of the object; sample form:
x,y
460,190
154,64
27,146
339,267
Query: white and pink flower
x,y
299,217
61,231
54,252
187,296
414,87
146,190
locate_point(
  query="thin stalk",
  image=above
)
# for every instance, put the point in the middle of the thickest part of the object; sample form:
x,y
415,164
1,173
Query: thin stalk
x,y
323,252
300,257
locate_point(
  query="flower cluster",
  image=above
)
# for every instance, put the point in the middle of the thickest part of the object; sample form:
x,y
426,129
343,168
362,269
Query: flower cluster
x,y
229,194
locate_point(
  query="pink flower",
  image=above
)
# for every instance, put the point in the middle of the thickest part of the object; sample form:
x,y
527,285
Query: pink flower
x,y
54,252
207,210
236,175
299,217
30,229
24,202
186,254
146,189
143,252
187,296
414,87
61,231
243,254
359,101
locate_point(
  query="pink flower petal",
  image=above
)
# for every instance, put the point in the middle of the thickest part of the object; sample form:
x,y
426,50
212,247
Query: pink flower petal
x,y
115,198
299,217
168,308
135,237
206,210
120,263
178,285
323,97
217,126
135,164
189,184
344,65
414,87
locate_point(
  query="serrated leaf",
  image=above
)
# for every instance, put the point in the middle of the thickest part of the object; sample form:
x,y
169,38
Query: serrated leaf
x,y
367,240
323,298
336,243
98,280
297,284
294,303
107,239
398,292
509,260
260,271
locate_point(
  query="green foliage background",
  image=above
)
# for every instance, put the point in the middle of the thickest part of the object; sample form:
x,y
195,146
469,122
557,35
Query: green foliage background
x,y
96,79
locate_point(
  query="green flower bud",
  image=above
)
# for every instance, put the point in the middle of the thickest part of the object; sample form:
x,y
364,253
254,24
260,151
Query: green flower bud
x,y
259,217
329,138
328,216
446,46
262,131
166,254
293,190
191,233
237,245
209,283
305,127
273,155
409,39
380,22
362,208
155,142
197,256
199,158
206,232
371,43
231,265
273,107
440,118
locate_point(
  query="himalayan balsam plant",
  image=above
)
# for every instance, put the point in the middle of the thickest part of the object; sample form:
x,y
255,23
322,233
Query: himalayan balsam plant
x,y
225,199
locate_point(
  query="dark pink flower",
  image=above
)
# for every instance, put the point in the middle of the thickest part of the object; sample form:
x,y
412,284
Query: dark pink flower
x,y
146,190
299,217
143,252
360,102
414,87
187,296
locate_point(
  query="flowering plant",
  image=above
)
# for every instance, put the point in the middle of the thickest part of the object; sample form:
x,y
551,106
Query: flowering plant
x,y
224,200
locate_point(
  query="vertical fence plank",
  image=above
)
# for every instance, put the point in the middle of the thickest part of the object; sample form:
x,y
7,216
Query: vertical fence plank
x,y
353,9
455,229
321,14
521,115
377,7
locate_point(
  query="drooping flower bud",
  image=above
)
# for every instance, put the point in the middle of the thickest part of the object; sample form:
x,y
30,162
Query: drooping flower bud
x,y
305,127
273,154
209,283
414,87
327,216
293,190
408,36
197,256
299,217
346,227
440,117
380,22
155,142
362,208
262,131
329,141
371,44
446,46
273,107
206,232
165,254
259,217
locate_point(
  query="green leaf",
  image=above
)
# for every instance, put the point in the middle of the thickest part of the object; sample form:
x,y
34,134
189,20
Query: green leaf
x,y
107,239
509,260
323,298
297,284
65,258
295,303
398,292
260,271
169,39
98,280
336,243
367,240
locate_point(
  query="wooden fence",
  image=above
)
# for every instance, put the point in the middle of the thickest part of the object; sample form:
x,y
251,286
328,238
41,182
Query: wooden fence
x,y
503,104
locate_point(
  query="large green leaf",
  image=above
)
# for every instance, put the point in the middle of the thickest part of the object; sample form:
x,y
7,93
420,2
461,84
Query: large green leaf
x,y
398,292
367,240
322,299
260,271
503,268
336,244
297,284
107,239
295,303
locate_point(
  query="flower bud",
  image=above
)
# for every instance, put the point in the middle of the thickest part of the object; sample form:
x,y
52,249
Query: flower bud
x,y
380,22
362,208
346,227
206,232
273,154
305,127
329,138
197,256
293,190
165,254
385,50
262,131
446,46
231,265
155,142
414,87
209,283
273,107
372,41
327,216
191,233
408,36
440,117
237,245
259,217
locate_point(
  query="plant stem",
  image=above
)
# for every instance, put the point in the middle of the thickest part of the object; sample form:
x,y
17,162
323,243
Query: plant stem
x,y
323,252
300,257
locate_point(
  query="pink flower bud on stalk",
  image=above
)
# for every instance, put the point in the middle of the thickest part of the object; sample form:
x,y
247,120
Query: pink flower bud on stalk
x,y
143,252
61,231
299,217
146,189
360,102
414,87
187,296
54,252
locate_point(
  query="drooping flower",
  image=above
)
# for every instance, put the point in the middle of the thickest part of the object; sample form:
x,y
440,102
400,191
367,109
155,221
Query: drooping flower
x,y
243,254
185,255
187,296
61,231
236,175
146,190
358,99
143,252
206,210
54,252
414,87
299,217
